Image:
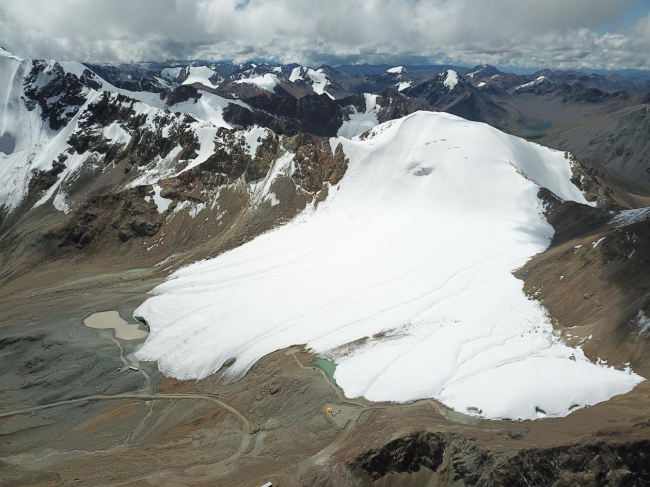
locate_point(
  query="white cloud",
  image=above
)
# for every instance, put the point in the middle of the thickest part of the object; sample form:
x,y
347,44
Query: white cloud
x,y
523,33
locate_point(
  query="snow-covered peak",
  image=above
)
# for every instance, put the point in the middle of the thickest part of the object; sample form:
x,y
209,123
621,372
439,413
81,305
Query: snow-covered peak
x,y
317,78
451,79
396,70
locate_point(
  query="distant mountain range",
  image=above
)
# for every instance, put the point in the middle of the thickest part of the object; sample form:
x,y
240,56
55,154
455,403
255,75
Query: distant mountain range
x,y
131,74
599,116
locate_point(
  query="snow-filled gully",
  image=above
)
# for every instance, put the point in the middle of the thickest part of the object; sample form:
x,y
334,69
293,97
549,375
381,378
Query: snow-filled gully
x,y
410,260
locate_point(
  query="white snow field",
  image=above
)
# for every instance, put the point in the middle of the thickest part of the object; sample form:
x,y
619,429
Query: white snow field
x,y
417,242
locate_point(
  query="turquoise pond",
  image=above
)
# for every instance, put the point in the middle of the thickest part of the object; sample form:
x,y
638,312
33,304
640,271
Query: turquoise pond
x,y
328,367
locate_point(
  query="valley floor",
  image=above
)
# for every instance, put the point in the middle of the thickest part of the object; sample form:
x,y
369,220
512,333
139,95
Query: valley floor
x,y
68,417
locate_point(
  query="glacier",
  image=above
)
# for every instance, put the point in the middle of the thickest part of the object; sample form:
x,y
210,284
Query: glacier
x,y
403,277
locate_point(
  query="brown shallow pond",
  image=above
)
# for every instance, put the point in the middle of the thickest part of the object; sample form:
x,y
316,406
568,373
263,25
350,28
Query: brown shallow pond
x,y
112,320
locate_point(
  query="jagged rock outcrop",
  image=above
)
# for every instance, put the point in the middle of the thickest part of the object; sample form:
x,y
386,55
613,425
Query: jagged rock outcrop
x,y
315,163
232,160
180,94
58,93
407,454
314,114
452,93
113,218
455,460
148,141
134,76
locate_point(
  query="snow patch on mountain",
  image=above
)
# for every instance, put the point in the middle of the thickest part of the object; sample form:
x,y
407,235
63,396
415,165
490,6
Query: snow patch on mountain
x,y
60,202
537,81
396,70
629,217
254,137
451,79
266,81
358,122
475,72
73,163
410,259
262,190
296,74
479,69
316,77
200,74
161,203
209,108
643,322
115,133
403,85
171,73
319,81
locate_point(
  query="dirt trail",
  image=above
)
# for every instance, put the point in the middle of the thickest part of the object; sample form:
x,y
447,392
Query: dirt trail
x,y
202,473
167,477
126,395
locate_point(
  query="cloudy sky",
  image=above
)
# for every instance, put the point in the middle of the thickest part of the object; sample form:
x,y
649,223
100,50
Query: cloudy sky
x,y
597,34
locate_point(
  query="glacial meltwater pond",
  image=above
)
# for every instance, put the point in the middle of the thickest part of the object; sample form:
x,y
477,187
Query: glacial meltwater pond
x,y
328,367
112,319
